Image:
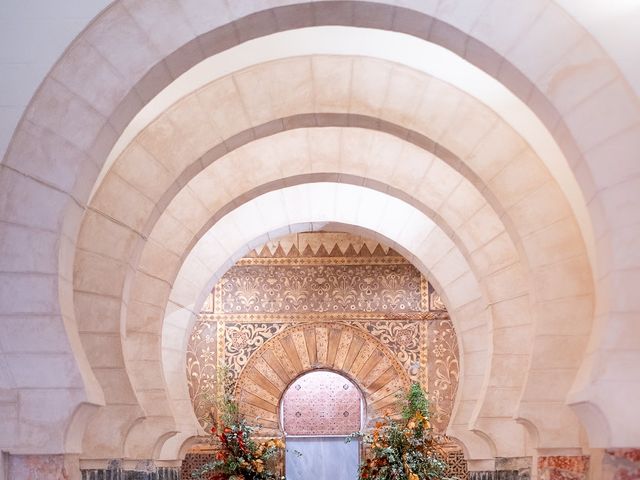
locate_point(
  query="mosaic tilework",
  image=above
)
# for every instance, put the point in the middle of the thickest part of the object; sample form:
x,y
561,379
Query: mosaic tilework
x,y
321,403
563,467
456,465
621,464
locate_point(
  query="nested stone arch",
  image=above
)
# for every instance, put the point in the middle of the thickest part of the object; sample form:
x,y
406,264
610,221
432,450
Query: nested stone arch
x,y
154,400
523,304
463,298
340,347
467,307
59,207
515,302
344,178
352,10
146,364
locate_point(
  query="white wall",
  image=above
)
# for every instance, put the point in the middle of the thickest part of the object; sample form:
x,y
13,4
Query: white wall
x,y
33,35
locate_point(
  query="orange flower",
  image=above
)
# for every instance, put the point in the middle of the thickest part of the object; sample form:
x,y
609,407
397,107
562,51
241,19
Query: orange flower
x,y
258,465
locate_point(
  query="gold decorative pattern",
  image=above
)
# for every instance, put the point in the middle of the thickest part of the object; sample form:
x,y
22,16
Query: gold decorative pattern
x,y
424,299
424,355
344,344
444,371
391,259
220,361
363,355
241,340
314,317
427,352
435,302
456,465
202,368
402,338
322,343
337,288
322,244
299,342
339,302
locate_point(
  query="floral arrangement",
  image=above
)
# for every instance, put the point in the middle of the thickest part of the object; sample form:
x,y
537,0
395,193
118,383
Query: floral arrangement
x,y
238,456
407,449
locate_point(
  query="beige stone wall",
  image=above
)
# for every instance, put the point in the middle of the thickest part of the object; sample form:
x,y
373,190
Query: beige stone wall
x,y
530,238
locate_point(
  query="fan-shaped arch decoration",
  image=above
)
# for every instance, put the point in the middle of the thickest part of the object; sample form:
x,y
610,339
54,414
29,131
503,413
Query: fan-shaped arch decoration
x,y
342,348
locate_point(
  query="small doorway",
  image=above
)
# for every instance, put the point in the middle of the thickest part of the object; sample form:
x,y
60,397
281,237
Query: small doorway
x,y
318,412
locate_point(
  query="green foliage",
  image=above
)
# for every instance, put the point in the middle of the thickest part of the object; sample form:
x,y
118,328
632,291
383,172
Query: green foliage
x,y
241,458
238,456
416,402
407,450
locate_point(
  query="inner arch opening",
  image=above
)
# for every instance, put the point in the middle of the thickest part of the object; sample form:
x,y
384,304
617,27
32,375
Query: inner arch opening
x,y
322,403
318,411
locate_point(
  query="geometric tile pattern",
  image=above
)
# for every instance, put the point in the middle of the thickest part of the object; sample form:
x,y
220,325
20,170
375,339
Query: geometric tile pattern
x,y
456,465
321,403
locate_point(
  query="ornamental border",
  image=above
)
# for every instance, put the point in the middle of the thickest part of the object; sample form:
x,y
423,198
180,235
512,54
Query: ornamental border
x,y
318,317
